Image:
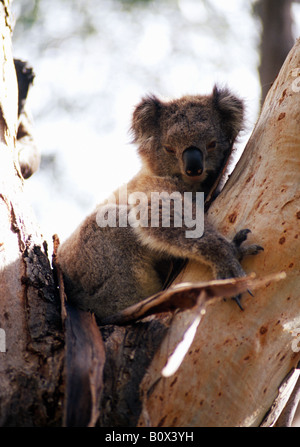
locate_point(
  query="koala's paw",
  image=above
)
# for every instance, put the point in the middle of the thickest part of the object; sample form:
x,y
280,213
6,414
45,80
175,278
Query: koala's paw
x,y
252,249
230,266
232,269
237,241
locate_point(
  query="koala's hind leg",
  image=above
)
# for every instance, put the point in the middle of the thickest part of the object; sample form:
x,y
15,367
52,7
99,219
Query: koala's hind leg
x,y
106,269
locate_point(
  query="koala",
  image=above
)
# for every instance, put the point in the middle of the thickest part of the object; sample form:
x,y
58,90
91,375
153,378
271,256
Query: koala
x,y
28,153
183,145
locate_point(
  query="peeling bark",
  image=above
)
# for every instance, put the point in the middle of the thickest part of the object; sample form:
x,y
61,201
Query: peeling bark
x,y
32,364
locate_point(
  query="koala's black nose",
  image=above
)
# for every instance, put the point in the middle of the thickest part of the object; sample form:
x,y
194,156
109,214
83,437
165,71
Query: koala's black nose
x,y
192,161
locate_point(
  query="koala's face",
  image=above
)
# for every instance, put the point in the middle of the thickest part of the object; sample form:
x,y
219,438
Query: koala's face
x,y
189,137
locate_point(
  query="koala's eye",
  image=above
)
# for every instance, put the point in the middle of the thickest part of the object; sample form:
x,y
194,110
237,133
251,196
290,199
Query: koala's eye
x,y
212,145
169,149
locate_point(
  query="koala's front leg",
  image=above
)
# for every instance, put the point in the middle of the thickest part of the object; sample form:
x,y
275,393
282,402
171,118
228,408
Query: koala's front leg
x,y
211,248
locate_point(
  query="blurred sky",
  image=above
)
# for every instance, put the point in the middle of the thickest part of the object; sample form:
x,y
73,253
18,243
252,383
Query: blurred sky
x,y
94,59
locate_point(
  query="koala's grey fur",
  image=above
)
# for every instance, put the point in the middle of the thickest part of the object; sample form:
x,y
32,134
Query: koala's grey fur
x,y
108,269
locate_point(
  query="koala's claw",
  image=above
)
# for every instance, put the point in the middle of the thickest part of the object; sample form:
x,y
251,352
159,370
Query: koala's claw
x,y
237,241
237,299
240,237
251,250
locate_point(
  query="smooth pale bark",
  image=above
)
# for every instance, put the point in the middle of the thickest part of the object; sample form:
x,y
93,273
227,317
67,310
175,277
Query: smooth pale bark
x,y
237,361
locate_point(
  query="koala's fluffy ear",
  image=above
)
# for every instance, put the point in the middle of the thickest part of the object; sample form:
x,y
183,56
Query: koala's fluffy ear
x,y
231,110
145,118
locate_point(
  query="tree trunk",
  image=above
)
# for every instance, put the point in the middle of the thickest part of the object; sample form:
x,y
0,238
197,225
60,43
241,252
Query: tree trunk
x,y
236,366
238,360
276,39
51,355
32,344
